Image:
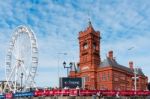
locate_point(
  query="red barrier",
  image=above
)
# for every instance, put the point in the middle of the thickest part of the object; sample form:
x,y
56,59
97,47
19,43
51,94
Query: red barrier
x,y
143,93
9,95
57,92
51,92
126,93
38,93
147,93
65,92
109,93
77,92
87,92
46,93
132,93
73,92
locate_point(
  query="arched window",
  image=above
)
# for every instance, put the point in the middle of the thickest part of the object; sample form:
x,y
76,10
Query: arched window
x,y
94,45
85,45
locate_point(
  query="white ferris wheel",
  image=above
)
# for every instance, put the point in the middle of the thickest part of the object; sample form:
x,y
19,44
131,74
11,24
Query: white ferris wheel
x,y
21,60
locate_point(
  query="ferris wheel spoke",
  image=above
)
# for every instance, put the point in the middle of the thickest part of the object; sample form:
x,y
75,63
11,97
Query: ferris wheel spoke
x,y
11,73
25,72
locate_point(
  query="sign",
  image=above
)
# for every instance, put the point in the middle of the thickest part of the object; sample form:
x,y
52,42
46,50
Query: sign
x,y
85,68
70,82
2,96
23,94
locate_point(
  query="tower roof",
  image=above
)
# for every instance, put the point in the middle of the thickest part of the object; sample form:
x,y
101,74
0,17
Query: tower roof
x,y
89,30
90,27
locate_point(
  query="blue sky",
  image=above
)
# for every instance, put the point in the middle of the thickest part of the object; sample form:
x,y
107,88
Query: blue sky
x,y
123,24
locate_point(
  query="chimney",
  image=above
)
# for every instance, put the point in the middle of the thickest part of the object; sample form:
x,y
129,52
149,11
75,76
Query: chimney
x,y
110,54
131,64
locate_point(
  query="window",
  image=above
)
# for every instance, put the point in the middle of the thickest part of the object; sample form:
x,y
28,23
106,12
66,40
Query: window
x,y
116,76
122,87
86,78
102,87
104,77
122,77
98,76
94,45
116,79
108,76
84,58
85,46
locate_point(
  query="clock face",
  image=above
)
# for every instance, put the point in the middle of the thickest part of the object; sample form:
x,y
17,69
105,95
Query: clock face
x,y
85,46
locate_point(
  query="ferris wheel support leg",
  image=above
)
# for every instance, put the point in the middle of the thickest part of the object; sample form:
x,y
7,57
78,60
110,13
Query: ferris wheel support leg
x,y
8,80
15,87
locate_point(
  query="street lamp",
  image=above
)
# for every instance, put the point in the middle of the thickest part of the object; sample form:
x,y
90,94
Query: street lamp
x,y
68,67
135,78
21,80
58,57
76,69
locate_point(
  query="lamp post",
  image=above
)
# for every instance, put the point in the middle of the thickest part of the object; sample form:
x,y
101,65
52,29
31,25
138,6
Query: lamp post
x,y
58,57
21,80
135,79
68,67
76,69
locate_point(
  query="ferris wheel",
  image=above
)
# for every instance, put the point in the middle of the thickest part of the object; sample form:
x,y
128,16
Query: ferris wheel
x,y
21,60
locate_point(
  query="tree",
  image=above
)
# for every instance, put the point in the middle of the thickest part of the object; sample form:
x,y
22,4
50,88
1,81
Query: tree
x,y
148,86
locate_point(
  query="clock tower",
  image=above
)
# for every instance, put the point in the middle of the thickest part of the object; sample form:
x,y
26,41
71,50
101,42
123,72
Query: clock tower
x,y
89,44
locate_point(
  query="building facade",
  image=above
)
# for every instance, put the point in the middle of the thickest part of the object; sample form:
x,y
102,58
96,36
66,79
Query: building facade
x,y
106,74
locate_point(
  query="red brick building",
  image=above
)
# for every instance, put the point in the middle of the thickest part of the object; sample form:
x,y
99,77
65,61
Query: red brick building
x,y
107,74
